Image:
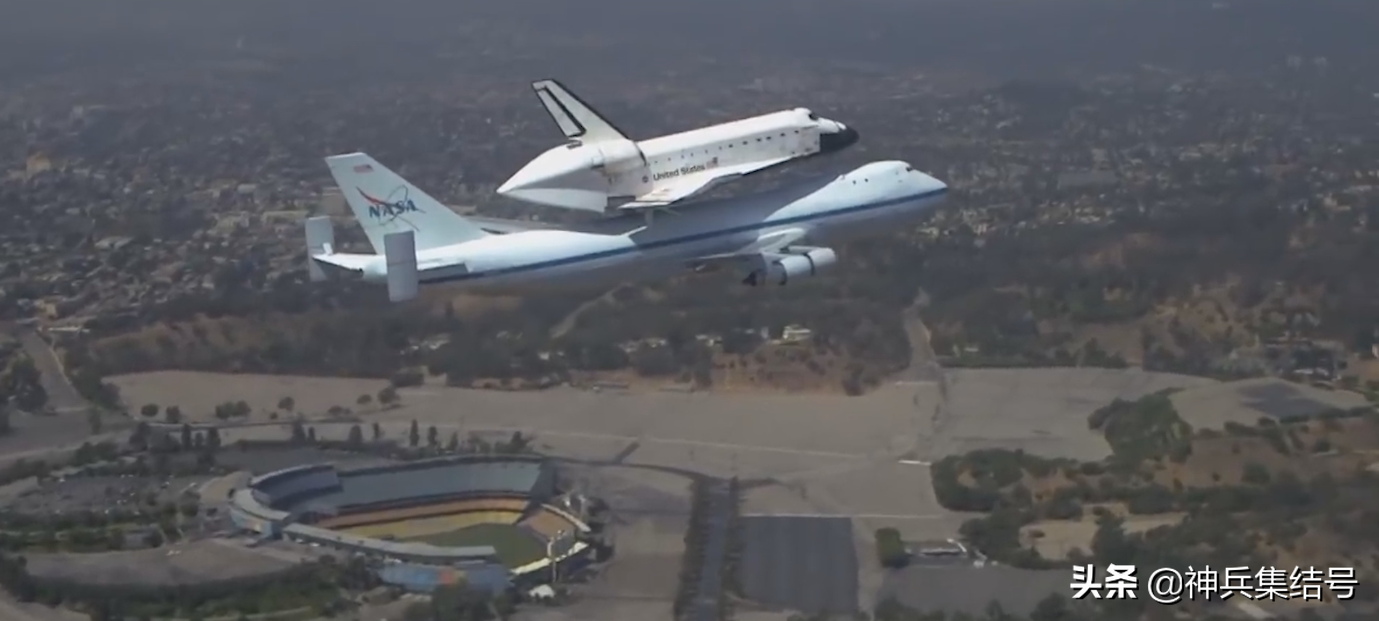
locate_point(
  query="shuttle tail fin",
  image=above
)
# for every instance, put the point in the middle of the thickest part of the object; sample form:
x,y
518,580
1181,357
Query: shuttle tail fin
x,y
577,120
385,203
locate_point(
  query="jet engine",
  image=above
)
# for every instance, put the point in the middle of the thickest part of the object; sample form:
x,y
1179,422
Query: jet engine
x,y
782,270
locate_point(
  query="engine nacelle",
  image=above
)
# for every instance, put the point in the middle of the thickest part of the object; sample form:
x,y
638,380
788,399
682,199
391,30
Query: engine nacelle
x,y
617,156
781,271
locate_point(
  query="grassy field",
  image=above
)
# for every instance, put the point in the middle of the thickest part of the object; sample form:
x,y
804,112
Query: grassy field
x,y
516,547
415,529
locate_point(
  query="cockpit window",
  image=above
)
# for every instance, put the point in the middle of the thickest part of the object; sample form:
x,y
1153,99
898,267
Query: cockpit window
x,y
909,169
813,117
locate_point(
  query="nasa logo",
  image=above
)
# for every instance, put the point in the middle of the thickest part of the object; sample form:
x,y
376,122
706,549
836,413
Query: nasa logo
x,y
391,209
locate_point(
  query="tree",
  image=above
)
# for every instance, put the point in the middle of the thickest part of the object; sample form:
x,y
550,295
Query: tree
x,y
213,439
364,400
387,396
149,410
173,414
298,432
518,443
403,379
356,437
414,435
890,550
138,439
311,435
432,436
186,436
287,404
1051,609
377,431
453,444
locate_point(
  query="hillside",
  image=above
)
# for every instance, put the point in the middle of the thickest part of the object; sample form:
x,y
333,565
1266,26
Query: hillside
x,y
1273,493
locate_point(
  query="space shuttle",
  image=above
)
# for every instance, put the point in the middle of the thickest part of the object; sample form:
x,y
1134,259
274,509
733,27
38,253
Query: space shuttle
x,y
601,169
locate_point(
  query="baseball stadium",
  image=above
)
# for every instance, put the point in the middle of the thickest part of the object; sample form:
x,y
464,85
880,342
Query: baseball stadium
x,y
493,522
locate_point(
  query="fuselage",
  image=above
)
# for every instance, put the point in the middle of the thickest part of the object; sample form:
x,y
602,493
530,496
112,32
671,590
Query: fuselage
x,y
596,175
872,198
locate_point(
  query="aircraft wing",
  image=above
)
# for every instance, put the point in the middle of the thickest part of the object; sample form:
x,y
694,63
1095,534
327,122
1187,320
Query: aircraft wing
x,y
683,187
752,254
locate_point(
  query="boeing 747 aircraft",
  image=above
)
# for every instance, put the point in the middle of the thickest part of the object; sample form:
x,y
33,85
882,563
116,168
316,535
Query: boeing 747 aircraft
x,y
772,239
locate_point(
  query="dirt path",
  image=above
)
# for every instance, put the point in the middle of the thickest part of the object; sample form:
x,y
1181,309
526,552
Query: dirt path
x,y
61,394
568,323
924,368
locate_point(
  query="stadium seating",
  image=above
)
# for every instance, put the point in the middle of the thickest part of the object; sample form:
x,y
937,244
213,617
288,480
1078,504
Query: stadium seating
x,y
500,510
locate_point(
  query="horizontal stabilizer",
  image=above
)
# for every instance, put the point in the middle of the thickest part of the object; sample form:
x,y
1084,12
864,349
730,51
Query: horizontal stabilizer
x,y
320,240
400,250
576,119
343,264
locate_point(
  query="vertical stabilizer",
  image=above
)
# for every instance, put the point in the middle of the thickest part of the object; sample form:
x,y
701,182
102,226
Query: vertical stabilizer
x,y
386,203
576,119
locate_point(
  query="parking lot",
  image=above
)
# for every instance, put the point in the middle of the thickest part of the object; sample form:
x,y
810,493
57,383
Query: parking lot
x,y
186,563
105,492
265,460
807,564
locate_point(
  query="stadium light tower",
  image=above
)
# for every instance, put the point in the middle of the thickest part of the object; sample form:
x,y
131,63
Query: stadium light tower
x,y
550,553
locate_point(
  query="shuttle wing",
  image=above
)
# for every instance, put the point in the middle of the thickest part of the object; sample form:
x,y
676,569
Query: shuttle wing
x,y
680,188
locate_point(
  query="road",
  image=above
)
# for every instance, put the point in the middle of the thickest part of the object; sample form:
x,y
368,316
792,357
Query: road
x,y
14,611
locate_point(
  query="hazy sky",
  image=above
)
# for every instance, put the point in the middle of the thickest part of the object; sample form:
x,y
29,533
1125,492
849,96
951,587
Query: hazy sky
x,y
1013,37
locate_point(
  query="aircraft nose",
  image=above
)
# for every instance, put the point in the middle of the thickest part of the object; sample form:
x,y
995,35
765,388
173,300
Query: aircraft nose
x,y
839,140
934,182
522,179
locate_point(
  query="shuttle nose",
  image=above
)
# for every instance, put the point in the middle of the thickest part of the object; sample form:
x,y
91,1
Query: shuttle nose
x,y
522,179
843,138
559,178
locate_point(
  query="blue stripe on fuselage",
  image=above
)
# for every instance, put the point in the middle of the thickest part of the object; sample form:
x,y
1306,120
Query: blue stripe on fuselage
x,y
687,239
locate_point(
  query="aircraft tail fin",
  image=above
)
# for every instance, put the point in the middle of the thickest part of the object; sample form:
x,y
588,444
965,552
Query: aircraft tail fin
x,y
385,203
576,119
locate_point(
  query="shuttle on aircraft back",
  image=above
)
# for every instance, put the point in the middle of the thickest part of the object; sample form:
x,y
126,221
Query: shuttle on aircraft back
x,y
602,168
771,239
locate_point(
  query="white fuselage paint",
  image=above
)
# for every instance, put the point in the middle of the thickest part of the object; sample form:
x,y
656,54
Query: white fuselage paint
x,y
789,135
869,199
597,175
